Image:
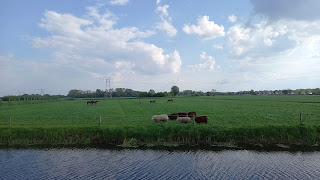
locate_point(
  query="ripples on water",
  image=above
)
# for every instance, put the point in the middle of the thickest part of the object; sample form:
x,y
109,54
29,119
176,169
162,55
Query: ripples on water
x,y
155,164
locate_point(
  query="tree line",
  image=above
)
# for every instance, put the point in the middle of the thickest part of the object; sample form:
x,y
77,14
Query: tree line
x,y
26,97
125,92
120,92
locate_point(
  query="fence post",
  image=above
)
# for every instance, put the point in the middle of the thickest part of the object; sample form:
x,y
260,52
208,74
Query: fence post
x,y
100,120
300,118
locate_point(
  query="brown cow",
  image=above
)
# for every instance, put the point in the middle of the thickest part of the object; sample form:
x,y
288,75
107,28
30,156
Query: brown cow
x,y
92,102
192,114
201,119
173,116
183,114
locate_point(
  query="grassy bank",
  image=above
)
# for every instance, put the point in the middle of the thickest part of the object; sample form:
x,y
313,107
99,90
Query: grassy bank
x,y
160,135
231,119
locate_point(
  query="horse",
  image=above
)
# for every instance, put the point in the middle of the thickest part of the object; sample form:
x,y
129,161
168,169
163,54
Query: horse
x,y
92,102
170,100
153,101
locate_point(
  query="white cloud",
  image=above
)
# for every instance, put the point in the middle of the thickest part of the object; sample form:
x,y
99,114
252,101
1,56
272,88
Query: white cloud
x,y
158,1
105,20
256,39
119,2
205,29
167,27
63,24
165,23
232,18
163,10
208,63
97,47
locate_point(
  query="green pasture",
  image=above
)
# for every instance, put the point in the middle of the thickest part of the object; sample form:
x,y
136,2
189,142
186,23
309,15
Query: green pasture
x,y
223,111
231,119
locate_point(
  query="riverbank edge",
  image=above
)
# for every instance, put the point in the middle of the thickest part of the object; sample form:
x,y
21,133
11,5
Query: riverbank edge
x,y
164,135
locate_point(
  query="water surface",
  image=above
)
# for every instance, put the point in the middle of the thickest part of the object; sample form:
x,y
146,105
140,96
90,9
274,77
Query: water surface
x,y
91,163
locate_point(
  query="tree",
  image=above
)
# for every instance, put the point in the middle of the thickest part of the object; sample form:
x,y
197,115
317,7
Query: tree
x,y
175,90
119,92
130,93
99,93
287,91
186,93
151,93
73,93
252,92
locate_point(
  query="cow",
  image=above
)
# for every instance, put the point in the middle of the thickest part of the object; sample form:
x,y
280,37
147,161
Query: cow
x,y
201,119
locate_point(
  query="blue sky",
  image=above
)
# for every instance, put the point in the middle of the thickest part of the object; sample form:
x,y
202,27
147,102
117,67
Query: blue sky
x,y
55,46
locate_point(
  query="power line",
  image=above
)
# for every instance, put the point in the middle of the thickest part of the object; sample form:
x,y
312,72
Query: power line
x,y
108,89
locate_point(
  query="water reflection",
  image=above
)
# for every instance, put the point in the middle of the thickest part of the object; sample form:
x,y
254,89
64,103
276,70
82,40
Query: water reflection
x,y
91,163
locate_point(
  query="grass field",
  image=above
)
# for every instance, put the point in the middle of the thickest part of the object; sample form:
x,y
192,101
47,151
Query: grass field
x,y
229,118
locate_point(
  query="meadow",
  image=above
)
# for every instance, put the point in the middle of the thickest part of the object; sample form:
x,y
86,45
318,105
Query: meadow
x,y
247,118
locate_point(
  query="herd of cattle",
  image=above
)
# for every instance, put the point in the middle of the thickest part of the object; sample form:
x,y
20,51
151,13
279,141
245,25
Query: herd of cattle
x,y
182,117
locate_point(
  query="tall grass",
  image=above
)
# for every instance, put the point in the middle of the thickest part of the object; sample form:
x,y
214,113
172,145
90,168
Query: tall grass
x,y
159,134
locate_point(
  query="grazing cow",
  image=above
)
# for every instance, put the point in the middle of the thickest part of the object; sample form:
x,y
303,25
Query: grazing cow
x,y
160,118
170,100
192,114
201,119
173,116
153,101
183,114
92,102
183,119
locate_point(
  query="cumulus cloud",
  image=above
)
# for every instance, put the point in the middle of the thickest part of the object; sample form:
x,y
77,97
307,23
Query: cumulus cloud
x,y
94,45
105,20
232,18
274,38
165,23
288,26
63,24
258,39
208,63
119,2
167,27
163,10
205,29
279,44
